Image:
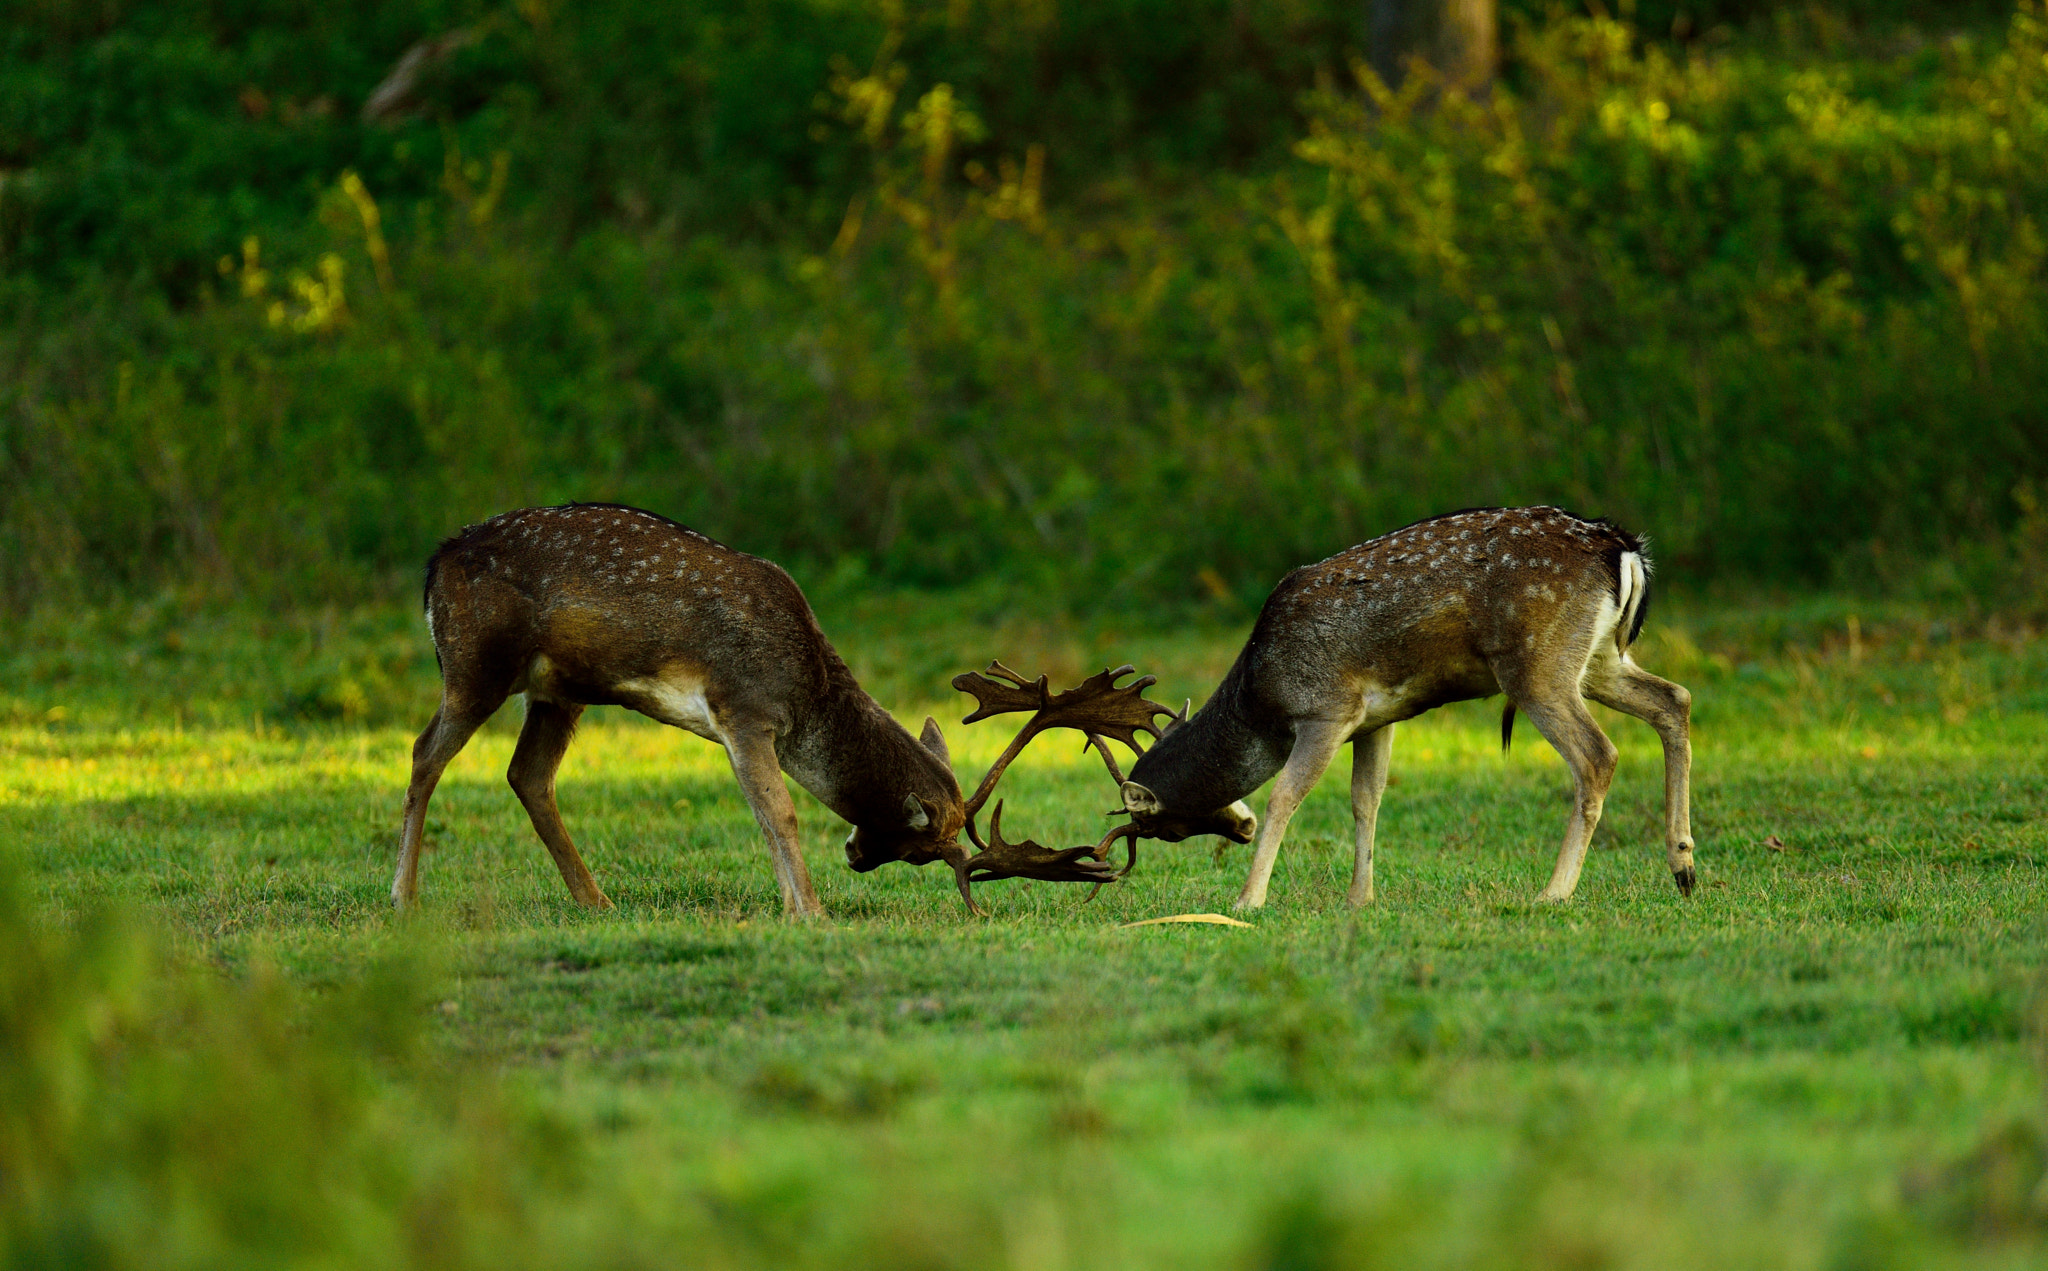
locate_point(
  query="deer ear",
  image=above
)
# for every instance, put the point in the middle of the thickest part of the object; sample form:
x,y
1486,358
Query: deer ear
x,y
1138,799
935,741
915,813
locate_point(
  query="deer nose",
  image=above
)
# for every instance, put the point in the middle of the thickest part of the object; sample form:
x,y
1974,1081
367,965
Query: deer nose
x,y
857,858
1247,823
866,850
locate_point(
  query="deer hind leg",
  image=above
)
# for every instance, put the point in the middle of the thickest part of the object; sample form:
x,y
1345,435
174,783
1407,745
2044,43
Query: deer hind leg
x,y
1560,714
460,715
1315,745
1666,707
1369,755
759,772
542,742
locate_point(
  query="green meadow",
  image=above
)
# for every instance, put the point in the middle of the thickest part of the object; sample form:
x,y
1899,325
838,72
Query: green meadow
x,y
1053,331
1829,1057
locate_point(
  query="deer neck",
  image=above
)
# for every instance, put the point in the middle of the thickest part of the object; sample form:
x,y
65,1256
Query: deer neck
x,y
1224,752
858,760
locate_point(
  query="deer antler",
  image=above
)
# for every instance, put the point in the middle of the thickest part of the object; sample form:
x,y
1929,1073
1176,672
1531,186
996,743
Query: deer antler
x,y
1002,859
1096,707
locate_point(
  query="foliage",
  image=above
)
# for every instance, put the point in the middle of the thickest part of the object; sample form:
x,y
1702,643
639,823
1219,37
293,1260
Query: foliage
x,y
703,114
1773,298
1688,287
158,1117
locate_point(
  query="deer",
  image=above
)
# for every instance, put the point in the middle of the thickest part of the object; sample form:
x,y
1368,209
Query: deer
x,y
1532,602
593,604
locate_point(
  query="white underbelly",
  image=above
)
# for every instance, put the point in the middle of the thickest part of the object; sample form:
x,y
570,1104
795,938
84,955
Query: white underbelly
x,y
678,702
676,699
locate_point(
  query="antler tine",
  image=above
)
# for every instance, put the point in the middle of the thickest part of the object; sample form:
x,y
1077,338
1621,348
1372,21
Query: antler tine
x,y
995,698
962,863
996,667
1116,774
1129,833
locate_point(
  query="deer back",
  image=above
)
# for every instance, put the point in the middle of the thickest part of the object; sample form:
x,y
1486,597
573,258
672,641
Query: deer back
x,y
1451,608
1433,612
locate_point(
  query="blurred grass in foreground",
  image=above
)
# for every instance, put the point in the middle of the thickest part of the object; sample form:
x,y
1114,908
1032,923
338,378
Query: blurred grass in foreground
x,y
1829,1058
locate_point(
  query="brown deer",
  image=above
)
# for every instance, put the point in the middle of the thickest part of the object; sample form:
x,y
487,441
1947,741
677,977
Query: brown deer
x,y
598,604
1534,603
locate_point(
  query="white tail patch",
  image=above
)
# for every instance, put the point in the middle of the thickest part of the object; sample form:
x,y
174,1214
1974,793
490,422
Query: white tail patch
x,y
1630,593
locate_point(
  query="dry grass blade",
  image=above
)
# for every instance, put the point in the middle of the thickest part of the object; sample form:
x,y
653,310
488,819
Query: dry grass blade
x,y
1210,920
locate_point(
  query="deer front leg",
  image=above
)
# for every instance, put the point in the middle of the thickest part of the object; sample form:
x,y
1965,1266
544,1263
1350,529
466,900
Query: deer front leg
x,y
754,763
543,740
1565,722
1315,744
1370,753
446,734
1666,707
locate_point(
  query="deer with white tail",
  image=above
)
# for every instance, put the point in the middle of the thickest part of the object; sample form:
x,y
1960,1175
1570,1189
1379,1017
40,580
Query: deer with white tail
x,y
597,604
1534,603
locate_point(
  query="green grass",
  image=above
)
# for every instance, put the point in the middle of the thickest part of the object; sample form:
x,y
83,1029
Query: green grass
x,y
1826,1058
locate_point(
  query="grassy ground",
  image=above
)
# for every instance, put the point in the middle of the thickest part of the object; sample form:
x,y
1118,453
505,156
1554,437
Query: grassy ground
x,y
1826,1058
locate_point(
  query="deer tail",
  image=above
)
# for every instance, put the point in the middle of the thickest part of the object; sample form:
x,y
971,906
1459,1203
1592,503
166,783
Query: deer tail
x,y
1507,726
1632,597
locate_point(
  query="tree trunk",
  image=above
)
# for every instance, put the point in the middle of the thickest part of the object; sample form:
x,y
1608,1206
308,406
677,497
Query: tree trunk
x,y
1457,37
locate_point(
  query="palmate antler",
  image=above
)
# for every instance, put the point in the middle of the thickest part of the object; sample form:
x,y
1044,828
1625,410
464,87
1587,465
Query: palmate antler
x,y
1097,708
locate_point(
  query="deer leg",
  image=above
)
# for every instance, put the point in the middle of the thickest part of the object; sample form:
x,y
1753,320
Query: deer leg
x,y
759,772
1369,755
1315,744
1666,707
1561,716
446,734
542,743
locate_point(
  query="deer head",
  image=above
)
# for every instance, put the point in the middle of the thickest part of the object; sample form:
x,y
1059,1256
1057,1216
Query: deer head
x,y
1172,792
1152,819
920,826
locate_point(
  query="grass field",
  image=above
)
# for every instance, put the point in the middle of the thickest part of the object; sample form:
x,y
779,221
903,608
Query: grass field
x,y
1829,1057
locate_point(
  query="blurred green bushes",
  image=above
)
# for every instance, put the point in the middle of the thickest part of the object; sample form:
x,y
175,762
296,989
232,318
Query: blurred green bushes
x,y
155,1116
1109,304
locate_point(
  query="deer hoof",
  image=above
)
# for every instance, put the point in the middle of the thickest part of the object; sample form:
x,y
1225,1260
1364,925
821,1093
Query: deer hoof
x,y
1686,880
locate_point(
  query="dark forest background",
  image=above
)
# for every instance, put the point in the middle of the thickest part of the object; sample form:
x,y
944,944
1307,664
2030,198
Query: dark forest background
x,y
1128,300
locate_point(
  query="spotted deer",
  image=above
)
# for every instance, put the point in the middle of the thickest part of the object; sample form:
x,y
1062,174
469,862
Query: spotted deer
x,y
1534,603
598,604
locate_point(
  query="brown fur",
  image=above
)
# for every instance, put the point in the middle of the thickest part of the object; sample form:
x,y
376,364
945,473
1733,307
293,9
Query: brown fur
x,y
595,604
1531,602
